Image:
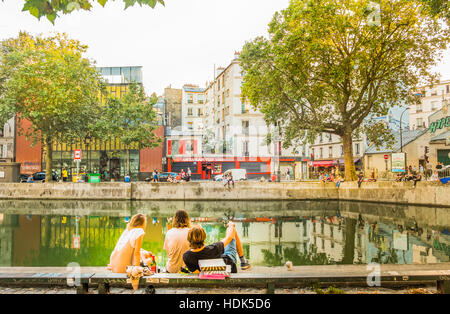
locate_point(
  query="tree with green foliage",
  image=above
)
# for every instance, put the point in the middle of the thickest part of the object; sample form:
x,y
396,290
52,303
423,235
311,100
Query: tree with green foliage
x,y
51,8
439,8
132,119
48,82
329,65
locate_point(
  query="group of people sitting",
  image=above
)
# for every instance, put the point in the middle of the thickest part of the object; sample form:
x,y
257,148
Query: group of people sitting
x,y
410,176
329,177
185,246
182,176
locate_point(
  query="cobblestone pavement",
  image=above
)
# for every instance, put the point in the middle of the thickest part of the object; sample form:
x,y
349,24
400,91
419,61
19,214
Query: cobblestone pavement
x,y
346,290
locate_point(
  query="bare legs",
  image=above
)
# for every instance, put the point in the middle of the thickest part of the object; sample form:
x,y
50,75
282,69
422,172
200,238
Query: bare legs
x,y
239,248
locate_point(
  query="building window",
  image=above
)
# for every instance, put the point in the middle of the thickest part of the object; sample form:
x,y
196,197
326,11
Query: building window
x,y
330,138
420,122
321,152
342,150
357,148
189,147
201,99
200,112
419,108
190,98
313,152
434,105
245,149
330,151
189,111
448,89
190,125
321,137
245,128
434,92
244,107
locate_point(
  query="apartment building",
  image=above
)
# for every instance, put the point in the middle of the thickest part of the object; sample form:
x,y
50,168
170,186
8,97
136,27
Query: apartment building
x,y
233,134
432,99
328,151
193,101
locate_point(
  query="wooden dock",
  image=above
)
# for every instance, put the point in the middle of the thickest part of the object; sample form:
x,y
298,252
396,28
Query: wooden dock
x,y
258,277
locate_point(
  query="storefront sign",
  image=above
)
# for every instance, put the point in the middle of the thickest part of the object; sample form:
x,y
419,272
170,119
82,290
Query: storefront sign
x,y
399,162
221,159
440,124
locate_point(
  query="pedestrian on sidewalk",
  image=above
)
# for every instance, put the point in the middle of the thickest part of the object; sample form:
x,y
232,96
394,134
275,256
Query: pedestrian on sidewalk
x,y
288,175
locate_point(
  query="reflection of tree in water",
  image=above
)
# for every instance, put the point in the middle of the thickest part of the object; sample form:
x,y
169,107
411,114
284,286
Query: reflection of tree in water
x,y
311,257
98,237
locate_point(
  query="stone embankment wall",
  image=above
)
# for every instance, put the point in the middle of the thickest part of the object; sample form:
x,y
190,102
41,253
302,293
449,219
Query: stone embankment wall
x,y
426,193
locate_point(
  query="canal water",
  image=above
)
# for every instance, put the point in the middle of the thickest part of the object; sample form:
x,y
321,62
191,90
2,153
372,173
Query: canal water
x,y
56,233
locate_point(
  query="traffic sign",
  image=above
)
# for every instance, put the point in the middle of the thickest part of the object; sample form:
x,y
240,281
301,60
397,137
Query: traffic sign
x,y
76,241
386,157
77,154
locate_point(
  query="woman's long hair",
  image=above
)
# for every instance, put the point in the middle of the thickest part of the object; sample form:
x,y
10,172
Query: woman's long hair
x,y
181,219
136,221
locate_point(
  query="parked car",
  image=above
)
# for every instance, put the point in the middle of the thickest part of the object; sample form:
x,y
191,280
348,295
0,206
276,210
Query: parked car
x,y
40,176
164,175
238,175
23,177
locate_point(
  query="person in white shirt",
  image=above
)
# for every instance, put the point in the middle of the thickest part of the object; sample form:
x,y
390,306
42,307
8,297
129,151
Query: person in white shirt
x,y
128,250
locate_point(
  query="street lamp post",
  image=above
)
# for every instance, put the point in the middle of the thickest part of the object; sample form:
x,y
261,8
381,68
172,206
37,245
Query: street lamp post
x,y
88,141
401,134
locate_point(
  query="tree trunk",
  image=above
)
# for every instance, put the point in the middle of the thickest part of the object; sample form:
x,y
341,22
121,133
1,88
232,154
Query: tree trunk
x,y
349,247
48,160
350,171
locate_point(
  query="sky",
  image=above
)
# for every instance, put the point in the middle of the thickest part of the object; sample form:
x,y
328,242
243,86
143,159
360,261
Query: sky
x,y
177,44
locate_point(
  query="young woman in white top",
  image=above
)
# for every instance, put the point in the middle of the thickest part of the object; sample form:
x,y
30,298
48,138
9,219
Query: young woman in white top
x,y
176,242
128,250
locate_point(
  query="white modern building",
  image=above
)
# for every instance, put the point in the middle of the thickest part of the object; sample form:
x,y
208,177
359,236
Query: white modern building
x,y
432,99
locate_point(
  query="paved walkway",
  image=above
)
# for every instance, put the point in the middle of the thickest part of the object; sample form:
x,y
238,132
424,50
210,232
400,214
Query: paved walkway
x,y
343,290
328,270
319,269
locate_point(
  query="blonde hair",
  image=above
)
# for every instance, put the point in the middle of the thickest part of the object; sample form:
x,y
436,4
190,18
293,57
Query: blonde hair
x,y
136,221
196,237
181,219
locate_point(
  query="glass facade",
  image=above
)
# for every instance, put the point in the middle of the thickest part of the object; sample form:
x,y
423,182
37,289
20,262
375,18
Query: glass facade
x,y
108,158
110,164
121,75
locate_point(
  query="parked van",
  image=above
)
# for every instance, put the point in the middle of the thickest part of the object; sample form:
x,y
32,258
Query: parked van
x,y
238,175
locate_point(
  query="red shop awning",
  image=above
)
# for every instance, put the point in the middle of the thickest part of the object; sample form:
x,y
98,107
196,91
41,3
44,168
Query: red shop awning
x,y
322,163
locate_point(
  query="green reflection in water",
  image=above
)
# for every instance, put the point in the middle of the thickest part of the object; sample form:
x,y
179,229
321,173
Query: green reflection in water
x,y
305,233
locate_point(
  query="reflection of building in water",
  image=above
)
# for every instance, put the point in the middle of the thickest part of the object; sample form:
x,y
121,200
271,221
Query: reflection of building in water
x,y
396,244
327,234
273,236
7,225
